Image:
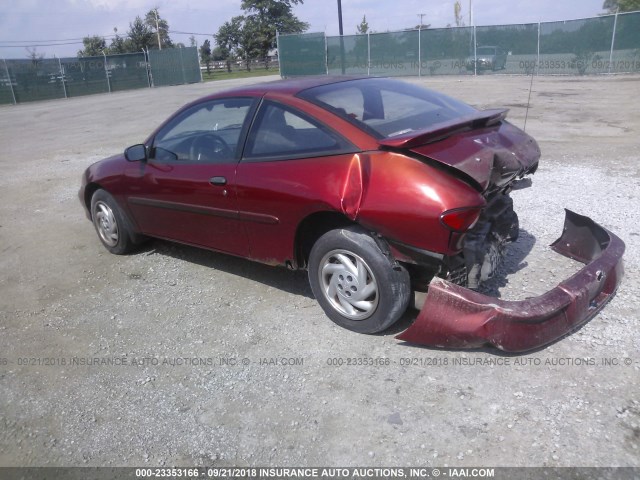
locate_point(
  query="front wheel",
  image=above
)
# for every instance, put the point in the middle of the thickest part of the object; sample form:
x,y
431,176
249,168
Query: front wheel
x,y
111,224
357,286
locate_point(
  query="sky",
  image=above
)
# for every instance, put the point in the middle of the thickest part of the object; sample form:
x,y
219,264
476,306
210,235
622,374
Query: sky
x,y
40,22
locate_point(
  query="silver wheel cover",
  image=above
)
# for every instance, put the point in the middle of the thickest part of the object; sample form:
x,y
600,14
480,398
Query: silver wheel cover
x,y
105,223
348,284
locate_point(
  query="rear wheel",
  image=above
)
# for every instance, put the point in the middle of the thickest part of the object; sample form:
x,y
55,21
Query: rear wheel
x,y
111,224
357,286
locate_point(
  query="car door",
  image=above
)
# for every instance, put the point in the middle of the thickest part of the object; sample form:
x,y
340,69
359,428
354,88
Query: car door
x,y
185,191
292,165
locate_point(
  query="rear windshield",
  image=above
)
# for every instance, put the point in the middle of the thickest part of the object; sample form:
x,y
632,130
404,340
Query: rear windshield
x,y
386,108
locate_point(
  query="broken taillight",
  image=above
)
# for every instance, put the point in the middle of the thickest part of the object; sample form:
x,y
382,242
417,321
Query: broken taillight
x,y
460,219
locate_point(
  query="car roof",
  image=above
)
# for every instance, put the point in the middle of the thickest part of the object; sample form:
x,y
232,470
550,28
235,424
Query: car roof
x,y
290,86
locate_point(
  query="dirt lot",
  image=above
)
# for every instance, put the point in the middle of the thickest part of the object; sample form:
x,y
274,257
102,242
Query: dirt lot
x,y
229,362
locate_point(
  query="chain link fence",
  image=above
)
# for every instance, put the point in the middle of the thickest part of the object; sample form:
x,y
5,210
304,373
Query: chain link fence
x,y
27,80
605,44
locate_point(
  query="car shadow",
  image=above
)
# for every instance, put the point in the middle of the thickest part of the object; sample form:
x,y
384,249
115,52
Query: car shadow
x,y
294,282
514,261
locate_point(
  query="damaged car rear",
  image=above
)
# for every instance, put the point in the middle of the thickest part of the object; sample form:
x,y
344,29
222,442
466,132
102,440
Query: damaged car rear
x,y
376,187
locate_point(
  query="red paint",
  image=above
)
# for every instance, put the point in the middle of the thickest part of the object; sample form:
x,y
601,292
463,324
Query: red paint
x,y
455,317
352,192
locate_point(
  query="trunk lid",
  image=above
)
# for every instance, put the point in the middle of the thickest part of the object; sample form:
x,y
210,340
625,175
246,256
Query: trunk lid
x,y
483,146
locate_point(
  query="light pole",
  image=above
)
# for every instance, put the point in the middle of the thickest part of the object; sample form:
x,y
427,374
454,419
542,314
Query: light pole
x,y
420,45
146,66
13,94
341,35
421,15
158,30
106,72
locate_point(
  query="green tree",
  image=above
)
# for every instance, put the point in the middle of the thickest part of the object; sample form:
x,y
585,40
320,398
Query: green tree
x,y
156,24
205,54
139,36
363,28
266,17
249,41
93,46
118,43
228,38
218,55
34,56
621,5
142,34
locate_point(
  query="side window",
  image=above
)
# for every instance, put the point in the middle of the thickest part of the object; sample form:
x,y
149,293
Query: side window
x,y
280,133
209,132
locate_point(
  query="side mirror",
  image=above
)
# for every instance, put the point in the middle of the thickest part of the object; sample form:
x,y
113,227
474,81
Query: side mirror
x,y
136,153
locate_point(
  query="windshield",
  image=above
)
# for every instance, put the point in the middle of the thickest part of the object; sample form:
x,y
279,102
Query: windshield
x,y
387,108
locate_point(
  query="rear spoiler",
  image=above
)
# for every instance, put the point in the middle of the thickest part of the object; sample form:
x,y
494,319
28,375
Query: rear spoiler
x,y
438,131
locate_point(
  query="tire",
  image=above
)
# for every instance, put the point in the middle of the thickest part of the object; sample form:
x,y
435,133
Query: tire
x,y
356,284
111,224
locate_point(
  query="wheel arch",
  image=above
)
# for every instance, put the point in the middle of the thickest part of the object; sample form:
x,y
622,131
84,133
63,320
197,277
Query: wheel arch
x,y
311,228
387,282
89,190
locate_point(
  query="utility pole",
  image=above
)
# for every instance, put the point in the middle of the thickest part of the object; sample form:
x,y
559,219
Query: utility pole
x,y
106,70
421,15
342,59
158,30
470,19
420,45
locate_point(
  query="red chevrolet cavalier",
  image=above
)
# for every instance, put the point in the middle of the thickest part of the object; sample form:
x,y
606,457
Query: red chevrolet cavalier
x,y
375,186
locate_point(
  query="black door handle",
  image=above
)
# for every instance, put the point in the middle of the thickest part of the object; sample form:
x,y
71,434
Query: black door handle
x,y
218,181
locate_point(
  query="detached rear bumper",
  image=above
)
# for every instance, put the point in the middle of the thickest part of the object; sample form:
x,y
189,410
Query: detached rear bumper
x,y
456,317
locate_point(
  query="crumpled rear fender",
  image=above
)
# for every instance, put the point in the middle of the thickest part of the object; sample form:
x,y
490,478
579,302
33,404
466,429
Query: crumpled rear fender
x,y
456,317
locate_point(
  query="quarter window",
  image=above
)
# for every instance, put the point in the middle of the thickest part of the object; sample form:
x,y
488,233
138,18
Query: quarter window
x,y
280,133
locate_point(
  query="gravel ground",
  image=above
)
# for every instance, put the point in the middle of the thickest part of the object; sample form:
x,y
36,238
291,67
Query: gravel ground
x,y
228,362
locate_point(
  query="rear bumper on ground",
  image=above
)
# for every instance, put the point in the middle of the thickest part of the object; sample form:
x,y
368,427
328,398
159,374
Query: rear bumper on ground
x,y
456,317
